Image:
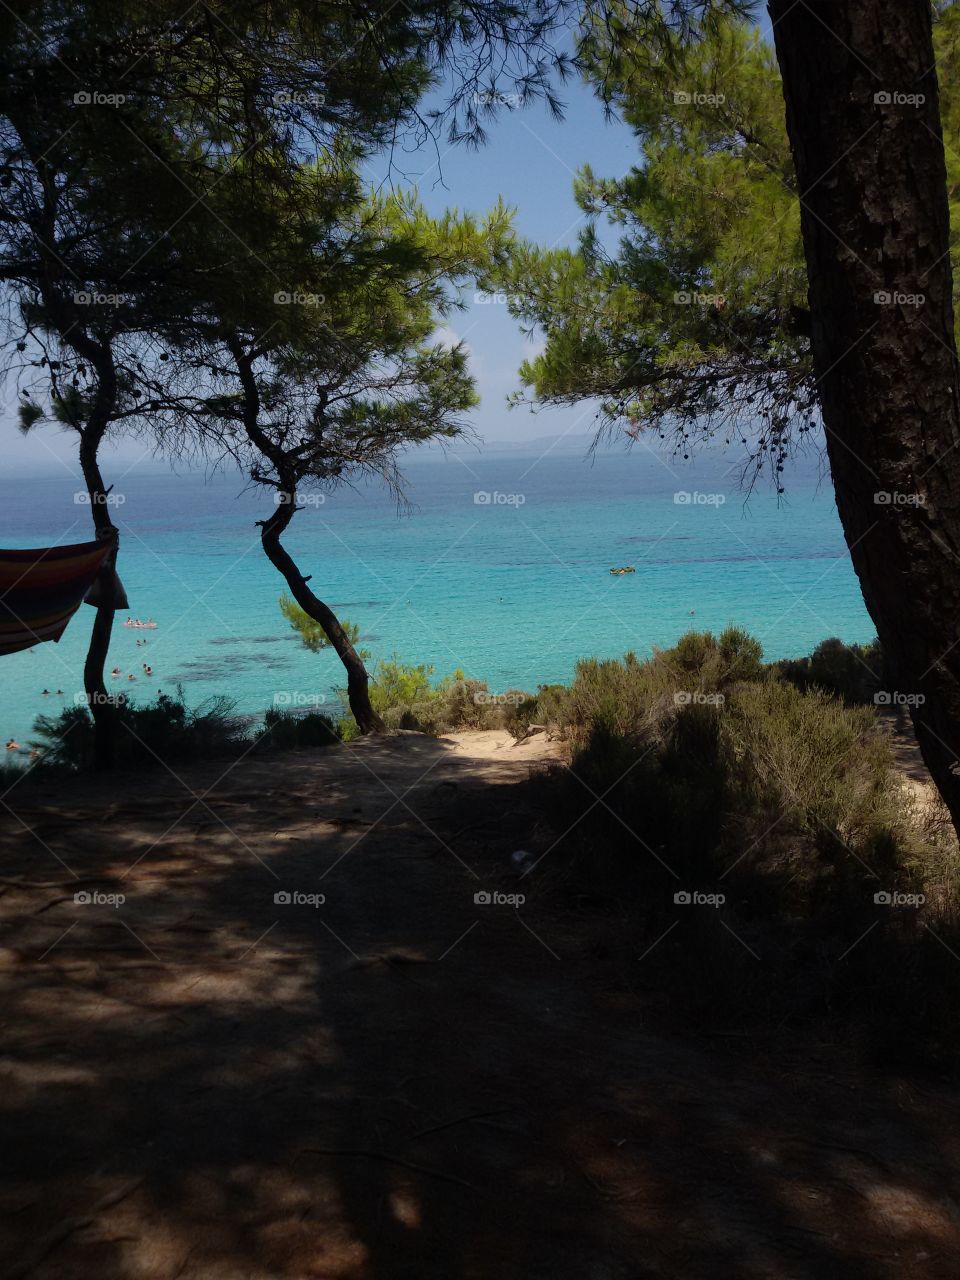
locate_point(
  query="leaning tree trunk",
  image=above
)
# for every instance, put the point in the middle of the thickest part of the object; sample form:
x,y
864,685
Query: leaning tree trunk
x,y
101,705
358,693
864,124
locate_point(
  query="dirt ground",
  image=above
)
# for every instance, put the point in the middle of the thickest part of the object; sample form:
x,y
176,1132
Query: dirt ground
x,y
205,1080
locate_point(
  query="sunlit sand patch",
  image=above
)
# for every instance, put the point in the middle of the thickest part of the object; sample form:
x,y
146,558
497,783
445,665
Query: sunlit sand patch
x,y
906,1212
41,1075
405,1207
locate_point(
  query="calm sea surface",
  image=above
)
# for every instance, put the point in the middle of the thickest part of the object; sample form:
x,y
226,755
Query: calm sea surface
x,y
513,589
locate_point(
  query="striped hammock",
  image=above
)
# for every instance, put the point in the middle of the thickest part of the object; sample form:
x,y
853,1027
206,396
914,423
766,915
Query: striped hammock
x,y
41,590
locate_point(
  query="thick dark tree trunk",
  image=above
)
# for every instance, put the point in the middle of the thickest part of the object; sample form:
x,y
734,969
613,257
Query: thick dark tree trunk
x,y
102,706
864,123
358,692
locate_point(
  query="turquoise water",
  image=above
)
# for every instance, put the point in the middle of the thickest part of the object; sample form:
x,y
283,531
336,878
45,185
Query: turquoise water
x,y
512,592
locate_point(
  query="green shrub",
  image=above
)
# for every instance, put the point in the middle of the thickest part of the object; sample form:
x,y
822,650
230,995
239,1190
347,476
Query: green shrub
x,y
407,696
703,770
853,672
165,729
283,731
397,685
11,774
310,631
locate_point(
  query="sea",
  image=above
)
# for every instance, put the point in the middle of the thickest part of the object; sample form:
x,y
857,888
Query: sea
x,y
496,564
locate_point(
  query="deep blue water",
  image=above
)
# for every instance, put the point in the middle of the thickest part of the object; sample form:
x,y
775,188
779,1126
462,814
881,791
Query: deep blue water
x,y
511,592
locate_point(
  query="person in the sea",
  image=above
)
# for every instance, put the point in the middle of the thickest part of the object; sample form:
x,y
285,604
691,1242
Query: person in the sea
x,y
115,672
13,745
131,676
46,693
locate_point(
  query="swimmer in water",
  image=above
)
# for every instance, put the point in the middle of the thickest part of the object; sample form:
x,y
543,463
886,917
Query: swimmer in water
x,y
13,745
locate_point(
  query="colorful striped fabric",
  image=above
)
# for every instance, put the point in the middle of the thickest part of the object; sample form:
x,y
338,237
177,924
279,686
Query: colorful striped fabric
x,y
41,590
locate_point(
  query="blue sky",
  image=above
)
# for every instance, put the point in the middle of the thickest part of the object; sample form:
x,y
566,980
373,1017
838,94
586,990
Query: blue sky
x,y
530,160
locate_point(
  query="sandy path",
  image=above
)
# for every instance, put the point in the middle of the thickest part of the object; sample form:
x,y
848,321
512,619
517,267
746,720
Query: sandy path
x,y
205,1083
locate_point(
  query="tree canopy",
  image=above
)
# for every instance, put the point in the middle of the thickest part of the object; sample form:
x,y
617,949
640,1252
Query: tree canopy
x,y
696,325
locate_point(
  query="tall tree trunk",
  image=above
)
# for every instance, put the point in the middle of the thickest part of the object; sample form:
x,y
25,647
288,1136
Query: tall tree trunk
x,y
358,693
101,705
864,124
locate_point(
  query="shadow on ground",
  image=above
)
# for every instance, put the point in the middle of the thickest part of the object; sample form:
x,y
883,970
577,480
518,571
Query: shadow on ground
x,y
207,1081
